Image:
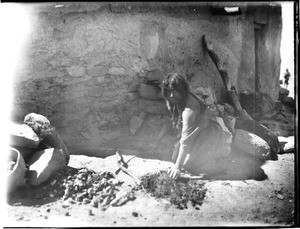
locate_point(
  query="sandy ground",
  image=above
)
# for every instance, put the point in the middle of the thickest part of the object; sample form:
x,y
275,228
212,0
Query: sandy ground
x,y
264,201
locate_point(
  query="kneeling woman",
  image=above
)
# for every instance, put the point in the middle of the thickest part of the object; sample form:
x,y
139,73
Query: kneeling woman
x,y
202,142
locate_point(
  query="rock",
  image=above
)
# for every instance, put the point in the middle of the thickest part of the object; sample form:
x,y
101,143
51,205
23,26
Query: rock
x,y
106,201
153,107
65,205
288,144
116,71
135,123
86,201
23,135
95,203
16,177
135,214
283,93
122,198
36,118
76,71
90,212
251,143
279,196
288,101
39,123
263,132
148,91
51,194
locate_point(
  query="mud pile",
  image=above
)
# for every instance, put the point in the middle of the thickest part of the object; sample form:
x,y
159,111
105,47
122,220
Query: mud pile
x,y
180,192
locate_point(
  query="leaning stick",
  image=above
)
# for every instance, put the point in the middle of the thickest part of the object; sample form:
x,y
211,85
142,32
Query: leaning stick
x,y
120,162
224,75
249,124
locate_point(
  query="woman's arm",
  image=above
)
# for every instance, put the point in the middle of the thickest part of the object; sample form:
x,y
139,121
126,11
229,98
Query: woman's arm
x,y
188,118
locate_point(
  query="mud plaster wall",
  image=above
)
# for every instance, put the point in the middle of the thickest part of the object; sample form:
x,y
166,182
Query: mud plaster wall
x,y
83,63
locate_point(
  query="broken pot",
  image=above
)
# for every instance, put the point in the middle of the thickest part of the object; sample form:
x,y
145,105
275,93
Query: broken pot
x,y
44,163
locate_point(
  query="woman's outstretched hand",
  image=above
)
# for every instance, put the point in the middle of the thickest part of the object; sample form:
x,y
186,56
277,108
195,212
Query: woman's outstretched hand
x,y
174,171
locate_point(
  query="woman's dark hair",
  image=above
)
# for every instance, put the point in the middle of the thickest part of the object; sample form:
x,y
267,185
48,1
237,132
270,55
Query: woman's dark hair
x,y
178,83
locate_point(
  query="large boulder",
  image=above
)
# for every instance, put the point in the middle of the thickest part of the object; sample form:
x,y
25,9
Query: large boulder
x,y
251,144
263,132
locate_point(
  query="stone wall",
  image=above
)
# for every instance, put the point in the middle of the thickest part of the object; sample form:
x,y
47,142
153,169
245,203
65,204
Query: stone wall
x,y
84,62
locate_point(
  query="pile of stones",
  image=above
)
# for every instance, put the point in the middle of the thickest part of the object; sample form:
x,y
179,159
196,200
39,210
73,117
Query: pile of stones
x,y
84,186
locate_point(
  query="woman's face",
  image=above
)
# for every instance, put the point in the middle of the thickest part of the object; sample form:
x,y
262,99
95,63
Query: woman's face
x,y
173,95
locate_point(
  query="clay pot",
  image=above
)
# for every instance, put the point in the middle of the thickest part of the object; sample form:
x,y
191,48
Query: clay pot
x,y
44,163
16,175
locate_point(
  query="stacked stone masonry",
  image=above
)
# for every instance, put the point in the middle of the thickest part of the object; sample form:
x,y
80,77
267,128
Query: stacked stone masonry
x,y
83,62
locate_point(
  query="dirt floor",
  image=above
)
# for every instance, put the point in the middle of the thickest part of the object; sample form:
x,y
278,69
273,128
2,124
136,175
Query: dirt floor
x,y
240,200
248,193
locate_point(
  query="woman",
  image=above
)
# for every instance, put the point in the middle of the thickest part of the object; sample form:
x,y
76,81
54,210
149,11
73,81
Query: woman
x,y
201,140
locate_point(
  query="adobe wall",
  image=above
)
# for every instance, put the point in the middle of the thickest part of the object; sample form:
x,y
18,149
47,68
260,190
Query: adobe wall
x,y
83,62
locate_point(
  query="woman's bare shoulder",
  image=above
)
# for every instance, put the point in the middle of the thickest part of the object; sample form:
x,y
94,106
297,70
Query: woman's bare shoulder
x,y
188,117
192,104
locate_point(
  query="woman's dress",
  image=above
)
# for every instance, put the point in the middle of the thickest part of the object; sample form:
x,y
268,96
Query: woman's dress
x,y
206,142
